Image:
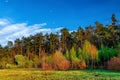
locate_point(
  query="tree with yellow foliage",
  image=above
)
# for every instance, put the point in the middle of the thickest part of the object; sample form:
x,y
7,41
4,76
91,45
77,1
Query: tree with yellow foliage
x,y
90,53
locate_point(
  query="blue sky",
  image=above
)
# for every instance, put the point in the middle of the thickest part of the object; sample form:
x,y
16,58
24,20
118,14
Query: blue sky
x,y
54,14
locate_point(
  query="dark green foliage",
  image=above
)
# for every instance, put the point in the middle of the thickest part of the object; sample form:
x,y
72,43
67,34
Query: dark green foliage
x,y
54,43
64,39
118,50
105,54
10,44
114,20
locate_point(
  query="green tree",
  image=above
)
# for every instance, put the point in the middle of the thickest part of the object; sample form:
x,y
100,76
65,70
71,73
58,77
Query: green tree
x,y
39,43
18,46
99,33
105,54
28,47
114,20
47,42
74,59
118,50
64,38
10,44
80,37
20,60
86,50
54,43
67,55
80,53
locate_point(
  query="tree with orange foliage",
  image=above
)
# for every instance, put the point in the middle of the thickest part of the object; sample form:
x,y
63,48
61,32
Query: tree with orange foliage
x,y
46,63
59,62
93,55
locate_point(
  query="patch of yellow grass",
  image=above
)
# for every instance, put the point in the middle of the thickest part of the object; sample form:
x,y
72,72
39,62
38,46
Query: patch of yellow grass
x,y
36,74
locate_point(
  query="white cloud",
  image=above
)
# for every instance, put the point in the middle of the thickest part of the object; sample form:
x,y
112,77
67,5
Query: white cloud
x,y
4,22
10,31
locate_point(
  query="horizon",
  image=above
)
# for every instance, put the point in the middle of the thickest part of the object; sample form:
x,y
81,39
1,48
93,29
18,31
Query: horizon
x,y
23,18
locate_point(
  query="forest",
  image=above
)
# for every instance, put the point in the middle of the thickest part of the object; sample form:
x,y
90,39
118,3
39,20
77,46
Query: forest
x,y
92,47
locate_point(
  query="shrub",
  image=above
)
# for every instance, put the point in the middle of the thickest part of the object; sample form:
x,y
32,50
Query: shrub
x,y
10,66
114,64
5,60
58,61
78,64
29,64
46,66
46,63
64,65
20,60
82,64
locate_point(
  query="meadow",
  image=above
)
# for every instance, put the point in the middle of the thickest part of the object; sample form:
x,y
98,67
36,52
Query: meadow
x,y
37,74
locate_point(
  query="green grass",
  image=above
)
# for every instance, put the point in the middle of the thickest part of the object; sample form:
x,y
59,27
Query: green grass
x,y
36,74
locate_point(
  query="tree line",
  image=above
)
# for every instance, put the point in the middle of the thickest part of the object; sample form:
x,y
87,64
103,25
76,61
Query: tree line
x,y
90,47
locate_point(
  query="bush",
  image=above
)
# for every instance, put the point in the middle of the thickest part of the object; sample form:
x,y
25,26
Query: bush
x,y
82,64
64,65
20,60
78,64
4,60
57,60
46,63
114,64
46,66
29,64
10,66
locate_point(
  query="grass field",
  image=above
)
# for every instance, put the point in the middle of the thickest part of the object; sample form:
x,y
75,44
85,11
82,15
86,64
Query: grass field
x,y
36,74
